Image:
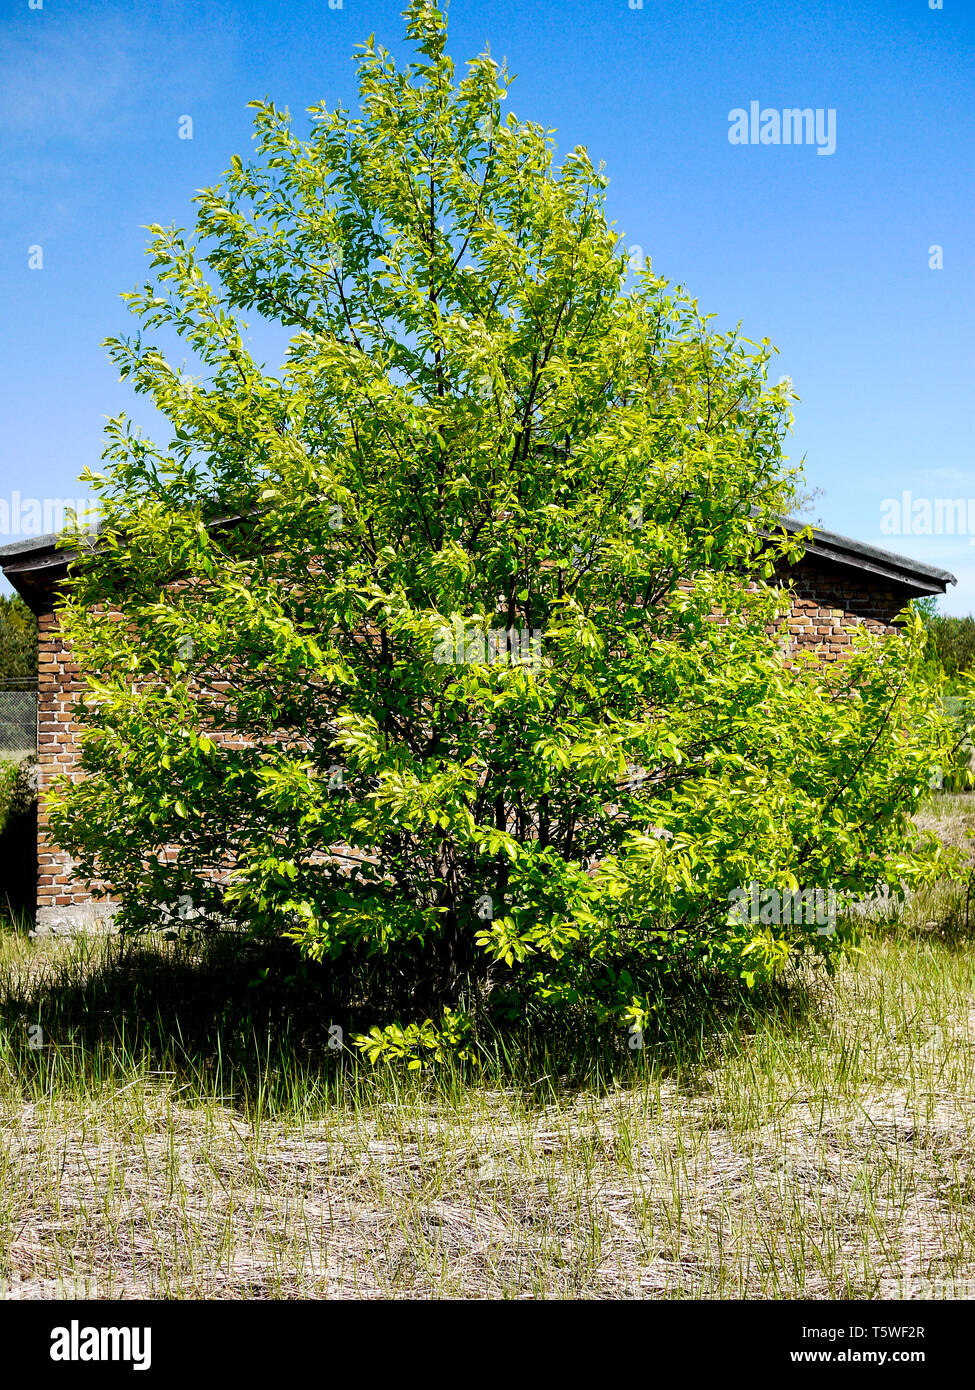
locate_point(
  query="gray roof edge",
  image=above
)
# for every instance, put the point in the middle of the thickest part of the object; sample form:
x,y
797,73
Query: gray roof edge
x,y
28,547
34,544
870,552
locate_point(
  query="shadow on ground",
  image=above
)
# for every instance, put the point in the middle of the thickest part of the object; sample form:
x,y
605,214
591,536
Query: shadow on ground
x,y
18,860
251,1024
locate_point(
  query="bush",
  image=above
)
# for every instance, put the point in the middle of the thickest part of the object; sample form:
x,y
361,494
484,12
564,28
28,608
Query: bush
x,y
8,780
495,616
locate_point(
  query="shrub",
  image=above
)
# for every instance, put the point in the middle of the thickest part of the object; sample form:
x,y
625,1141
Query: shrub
x,y
488,422
8,779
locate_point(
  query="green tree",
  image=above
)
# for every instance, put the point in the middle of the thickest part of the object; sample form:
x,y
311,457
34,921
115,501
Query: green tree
x,y
18,642
487,421
951,644
18,673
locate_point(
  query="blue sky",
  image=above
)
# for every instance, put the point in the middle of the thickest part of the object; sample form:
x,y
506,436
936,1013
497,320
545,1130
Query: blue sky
x,y
827,255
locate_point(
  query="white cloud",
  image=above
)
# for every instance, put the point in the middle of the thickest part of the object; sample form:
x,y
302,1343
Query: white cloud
x,y
942,475
92,75
64,85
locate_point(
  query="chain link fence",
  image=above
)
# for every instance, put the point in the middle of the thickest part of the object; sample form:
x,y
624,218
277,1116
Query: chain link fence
x,y
18,720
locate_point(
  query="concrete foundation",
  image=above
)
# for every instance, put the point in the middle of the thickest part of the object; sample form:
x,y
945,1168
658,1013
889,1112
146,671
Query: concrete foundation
x,y
78,919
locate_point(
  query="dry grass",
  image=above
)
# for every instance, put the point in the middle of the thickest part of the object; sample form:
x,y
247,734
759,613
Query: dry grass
x,y
817,1145
952,817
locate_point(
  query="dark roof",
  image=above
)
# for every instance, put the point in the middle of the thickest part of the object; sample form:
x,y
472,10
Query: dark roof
x,y
34,566
911,574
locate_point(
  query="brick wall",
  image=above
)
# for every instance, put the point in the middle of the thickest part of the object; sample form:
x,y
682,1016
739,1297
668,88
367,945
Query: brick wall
x,y
64,904
828,601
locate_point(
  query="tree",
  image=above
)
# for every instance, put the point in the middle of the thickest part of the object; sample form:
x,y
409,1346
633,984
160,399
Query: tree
x,y
475,590
18,642
18,673
951,642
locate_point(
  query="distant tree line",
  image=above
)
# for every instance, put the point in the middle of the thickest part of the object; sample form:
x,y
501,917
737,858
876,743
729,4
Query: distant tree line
x,y
951,642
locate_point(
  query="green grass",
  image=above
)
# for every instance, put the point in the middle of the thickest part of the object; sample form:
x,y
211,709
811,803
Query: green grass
x,y
179,1133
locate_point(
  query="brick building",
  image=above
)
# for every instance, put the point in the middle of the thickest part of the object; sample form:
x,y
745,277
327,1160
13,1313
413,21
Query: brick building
x,y
836,584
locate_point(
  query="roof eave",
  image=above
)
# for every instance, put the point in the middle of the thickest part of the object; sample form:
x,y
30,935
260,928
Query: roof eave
x,y
34,570
919,579
35,566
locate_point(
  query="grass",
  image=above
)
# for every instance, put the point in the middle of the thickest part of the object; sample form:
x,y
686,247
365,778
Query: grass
x,y
179,1133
